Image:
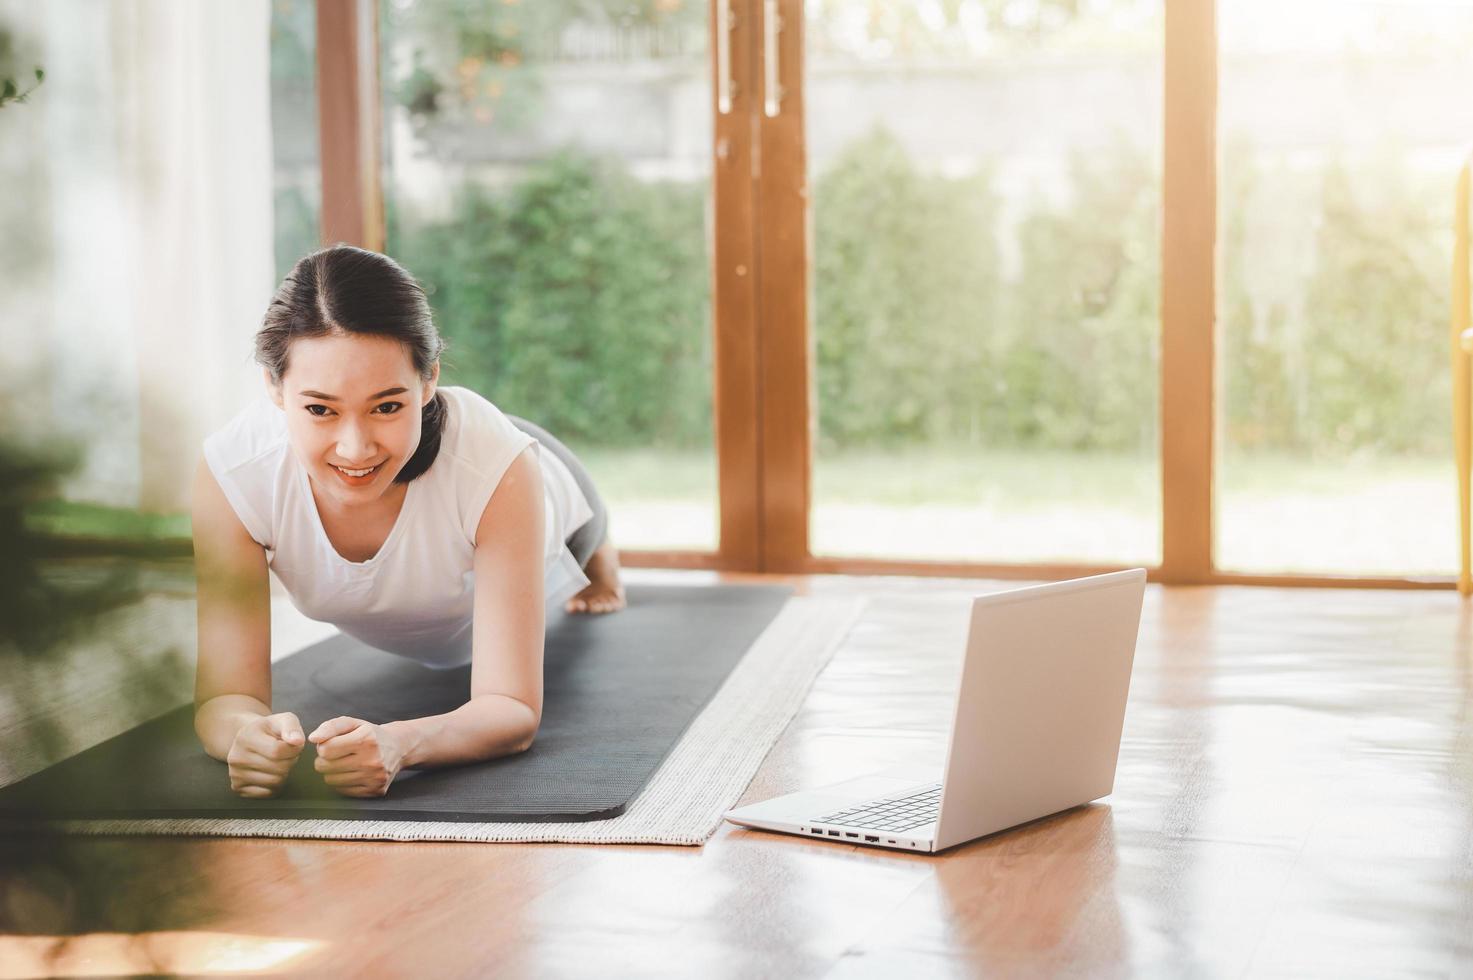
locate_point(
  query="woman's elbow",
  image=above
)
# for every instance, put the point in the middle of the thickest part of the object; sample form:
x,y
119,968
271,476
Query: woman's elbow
x,y
528,737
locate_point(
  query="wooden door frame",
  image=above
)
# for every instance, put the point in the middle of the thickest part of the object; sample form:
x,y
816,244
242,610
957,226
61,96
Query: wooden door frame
x,y
736,389
784,247
1188,289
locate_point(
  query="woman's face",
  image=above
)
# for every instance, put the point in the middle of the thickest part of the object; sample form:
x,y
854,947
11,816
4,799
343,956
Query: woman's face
x,y
352,403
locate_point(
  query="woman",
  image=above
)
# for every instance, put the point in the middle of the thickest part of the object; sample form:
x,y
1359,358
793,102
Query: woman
x,y
421,520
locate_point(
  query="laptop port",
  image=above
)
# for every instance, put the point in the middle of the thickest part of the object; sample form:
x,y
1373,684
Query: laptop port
x,y
815,830
873,839
833,833
889,842
847,834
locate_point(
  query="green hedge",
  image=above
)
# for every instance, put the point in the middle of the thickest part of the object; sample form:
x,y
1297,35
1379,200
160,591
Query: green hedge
x,y
1339,343
577,299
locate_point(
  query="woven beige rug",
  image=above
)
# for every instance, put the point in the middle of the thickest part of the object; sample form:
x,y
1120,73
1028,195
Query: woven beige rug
x,y
703,777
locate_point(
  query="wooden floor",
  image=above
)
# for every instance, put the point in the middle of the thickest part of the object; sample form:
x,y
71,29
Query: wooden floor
x,y
1294,798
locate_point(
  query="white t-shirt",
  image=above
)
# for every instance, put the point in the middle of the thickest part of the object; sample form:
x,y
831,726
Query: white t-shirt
x,y
415,596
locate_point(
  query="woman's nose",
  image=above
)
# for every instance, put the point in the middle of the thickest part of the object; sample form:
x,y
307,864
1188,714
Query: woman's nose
x,y
355,445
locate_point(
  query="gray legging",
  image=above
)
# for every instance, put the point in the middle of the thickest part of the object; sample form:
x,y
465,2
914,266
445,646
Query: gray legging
x,y
584,541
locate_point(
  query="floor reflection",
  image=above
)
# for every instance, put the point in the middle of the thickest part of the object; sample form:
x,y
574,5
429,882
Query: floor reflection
x,y
151,954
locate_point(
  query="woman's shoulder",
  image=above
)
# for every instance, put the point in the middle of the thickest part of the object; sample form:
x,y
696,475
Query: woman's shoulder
x,y
477,445
477,432
468,398
257,430
244,456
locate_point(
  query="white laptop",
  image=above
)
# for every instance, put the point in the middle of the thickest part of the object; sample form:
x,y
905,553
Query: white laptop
x,y
1039,710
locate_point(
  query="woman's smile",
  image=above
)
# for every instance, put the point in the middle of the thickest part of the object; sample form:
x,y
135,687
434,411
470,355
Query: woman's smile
x,y
357,477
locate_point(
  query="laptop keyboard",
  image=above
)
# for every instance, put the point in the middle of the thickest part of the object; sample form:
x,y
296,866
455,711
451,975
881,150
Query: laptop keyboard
x,y
893,815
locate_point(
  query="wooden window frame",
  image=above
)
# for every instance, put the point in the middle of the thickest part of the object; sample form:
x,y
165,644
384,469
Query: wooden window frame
x,y
763,387
348,114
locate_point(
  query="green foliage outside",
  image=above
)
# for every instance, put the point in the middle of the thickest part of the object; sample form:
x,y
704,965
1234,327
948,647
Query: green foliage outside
x,y
296,231
907,290
578,297
18,78
1338,346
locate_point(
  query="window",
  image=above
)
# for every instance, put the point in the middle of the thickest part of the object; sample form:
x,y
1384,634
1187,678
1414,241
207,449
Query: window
x,y
1341,131
986,210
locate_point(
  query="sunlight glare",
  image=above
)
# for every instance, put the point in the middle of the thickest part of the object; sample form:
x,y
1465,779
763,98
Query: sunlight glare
x,y
132,954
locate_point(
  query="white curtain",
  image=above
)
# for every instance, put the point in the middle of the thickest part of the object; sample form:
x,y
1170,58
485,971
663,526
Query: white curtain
x,y
144,171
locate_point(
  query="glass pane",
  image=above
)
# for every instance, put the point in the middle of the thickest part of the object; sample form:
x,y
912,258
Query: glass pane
x,y
298,175
986,186
548,167
1342,126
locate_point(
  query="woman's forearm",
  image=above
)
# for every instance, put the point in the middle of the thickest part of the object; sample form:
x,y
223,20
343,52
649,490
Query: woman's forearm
x,y
219,719
485,727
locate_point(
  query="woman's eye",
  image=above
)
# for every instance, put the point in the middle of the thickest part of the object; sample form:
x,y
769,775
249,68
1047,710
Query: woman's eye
x,y
395,406
320,414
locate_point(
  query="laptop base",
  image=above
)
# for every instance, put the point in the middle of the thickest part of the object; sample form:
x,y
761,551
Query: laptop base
x,y
800,813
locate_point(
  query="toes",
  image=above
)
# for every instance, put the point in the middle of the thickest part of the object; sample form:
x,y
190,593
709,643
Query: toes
x,y
599,603
607,604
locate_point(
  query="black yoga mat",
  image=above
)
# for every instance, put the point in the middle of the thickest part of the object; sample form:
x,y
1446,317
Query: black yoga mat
x,y
619,690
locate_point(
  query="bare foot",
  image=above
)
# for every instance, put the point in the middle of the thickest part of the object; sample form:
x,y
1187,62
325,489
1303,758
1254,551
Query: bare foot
x,y
604,593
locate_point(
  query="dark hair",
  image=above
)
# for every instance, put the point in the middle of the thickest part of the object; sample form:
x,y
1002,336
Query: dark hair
x,y
343,289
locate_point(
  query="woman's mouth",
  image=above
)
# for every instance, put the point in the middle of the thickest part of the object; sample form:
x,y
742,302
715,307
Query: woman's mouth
x,y
356,478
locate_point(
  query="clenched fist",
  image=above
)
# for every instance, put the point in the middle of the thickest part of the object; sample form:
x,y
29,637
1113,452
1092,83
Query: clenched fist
x,y
357,758
264,751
